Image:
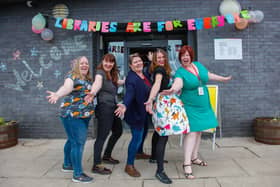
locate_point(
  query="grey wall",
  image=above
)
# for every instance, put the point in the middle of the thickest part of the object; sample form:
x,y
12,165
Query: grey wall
x,y
254,90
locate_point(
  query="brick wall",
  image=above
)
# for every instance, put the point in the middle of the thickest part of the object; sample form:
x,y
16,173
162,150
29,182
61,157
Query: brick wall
x,y
253,92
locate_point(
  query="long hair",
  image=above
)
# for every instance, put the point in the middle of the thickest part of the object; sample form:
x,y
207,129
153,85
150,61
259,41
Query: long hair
x,y
113,75
76,69
184,49
154,62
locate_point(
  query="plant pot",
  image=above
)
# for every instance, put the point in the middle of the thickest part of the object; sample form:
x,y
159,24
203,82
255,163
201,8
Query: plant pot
x,y
9,134
267,130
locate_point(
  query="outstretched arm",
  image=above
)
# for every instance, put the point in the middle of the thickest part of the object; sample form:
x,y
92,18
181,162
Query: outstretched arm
x,y
154,91
64,90
215,77
176,87
96,86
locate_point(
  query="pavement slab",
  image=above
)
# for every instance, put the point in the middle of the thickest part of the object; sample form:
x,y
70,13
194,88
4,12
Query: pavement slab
x,y
235,162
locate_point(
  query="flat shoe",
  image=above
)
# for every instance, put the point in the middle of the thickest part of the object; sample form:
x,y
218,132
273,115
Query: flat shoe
x,y
110,160
99,169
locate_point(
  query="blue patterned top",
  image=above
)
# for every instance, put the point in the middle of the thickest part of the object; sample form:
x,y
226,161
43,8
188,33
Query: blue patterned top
x,y
74,103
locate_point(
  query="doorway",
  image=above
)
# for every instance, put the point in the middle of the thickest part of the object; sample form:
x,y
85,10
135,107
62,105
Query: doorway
x,y
142,47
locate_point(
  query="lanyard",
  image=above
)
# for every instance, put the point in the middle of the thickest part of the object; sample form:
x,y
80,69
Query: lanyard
x,y
195,72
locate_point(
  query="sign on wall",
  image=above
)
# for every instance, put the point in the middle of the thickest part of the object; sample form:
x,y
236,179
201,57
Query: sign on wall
x,y
228,49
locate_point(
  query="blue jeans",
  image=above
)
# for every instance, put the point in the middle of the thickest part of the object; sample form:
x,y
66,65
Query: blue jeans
x,y
134,144
76,130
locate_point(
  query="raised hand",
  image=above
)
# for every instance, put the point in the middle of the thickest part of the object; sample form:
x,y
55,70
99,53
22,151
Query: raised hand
x,y
149,107
89,97
167,92
52,97
119,112
226,79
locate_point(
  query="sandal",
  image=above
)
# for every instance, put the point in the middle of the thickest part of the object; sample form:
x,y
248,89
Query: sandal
x,y
200,162
188,175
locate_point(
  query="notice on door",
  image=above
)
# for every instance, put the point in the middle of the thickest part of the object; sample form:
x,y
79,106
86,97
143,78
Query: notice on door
x,y
228,49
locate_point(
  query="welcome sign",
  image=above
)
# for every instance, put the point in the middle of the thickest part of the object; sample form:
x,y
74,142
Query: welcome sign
x,y
160,26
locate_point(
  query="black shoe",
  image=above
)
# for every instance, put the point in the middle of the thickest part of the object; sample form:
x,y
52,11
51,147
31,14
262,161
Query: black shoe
x,y
154,161
99,169
83,178
162,177
66,169
110,160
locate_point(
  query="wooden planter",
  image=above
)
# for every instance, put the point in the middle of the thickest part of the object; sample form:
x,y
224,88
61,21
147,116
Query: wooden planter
x,y
8,135
267,130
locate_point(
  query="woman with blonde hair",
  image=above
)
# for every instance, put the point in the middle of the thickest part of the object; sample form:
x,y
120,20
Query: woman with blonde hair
x,y
75,115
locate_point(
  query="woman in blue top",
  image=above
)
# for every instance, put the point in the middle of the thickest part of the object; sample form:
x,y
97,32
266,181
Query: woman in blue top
x,y
133,109
191,79
75,116
161,71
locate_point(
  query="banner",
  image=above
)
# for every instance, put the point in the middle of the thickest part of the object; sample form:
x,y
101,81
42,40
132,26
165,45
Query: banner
x,y
160,26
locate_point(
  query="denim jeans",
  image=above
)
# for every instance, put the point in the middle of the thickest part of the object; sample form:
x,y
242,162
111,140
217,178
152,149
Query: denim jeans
x,y
134,144
145,132
76,130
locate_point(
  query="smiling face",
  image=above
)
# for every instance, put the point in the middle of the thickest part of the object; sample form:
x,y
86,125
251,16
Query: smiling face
x,y
107,65
185,59
83,66
136,64
186,55
160,59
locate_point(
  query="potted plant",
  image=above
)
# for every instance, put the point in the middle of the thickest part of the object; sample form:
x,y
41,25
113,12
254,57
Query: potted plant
x,y
267,130
8,133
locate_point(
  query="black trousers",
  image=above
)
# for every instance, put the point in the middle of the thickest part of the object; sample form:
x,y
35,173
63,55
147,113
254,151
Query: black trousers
x,y
106,121
158,150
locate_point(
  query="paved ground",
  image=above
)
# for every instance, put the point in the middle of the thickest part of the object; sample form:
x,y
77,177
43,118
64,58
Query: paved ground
x,y
235,162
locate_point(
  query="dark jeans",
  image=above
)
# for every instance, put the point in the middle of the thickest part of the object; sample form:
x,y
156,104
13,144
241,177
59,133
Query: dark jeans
x,y
146,128
158,149
107,121
76,130
134,144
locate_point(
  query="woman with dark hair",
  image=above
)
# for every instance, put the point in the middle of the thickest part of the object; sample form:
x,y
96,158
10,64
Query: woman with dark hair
x,y
160,71
105,89
75,115
137,92
191,79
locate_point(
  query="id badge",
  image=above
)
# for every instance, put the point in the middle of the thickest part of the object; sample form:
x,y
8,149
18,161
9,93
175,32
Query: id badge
x,y
200,90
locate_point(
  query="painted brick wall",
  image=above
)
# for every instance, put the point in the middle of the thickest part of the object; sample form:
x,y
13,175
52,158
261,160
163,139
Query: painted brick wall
x,y
254,90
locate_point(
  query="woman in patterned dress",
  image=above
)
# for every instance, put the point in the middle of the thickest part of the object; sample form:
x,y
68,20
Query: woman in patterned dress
x,y
75,115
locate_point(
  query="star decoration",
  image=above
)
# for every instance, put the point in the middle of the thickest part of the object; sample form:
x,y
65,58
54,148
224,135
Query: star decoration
x,y
40,85
16,55
3,67
34,52
57,73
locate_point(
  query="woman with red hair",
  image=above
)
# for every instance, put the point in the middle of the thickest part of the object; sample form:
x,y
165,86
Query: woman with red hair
x,y
191,79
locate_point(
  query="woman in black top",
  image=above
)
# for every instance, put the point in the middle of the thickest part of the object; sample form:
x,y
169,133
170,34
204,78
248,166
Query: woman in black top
x,y
160,70
105,88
